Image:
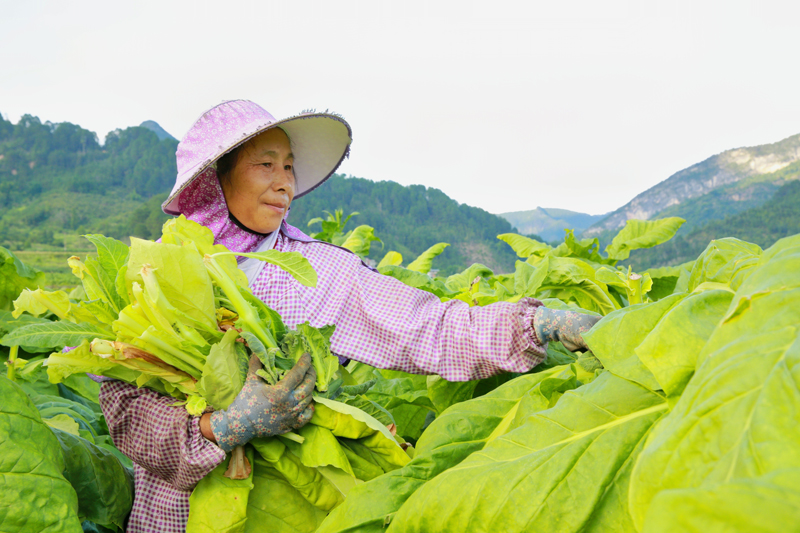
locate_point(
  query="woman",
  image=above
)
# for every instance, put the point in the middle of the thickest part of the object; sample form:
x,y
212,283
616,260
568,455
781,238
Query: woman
x,y
238,171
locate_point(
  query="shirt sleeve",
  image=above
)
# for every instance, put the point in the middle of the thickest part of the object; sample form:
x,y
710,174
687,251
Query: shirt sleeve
x,y
157,435
385,323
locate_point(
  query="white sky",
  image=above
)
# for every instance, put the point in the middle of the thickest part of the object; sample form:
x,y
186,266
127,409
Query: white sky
x,y
505,105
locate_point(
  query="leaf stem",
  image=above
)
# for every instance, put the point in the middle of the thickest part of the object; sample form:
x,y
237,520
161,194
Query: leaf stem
x,y
248,316
12,359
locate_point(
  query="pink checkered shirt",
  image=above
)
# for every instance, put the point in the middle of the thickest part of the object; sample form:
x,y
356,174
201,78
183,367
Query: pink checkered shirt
x,y
379,321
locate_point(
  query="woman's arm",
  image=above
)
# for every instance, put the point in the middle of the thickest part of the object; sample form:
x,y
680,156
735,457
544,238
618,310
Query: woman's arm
x,y
157,435
385,323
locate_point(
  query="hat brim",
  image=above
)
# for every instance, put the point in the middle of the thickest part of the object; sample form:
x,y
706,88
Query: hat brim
x,y
319,142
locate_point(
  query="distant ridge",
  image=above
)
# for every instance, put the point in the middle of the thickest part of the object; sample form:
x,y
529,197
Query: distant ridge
x,y
722,185
549,223
160,132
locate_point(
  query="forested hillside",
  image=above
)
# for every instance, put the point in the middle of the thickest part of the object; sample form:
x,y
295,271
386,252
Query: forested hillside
x,y
722,185
764,225
56,179
410,219
57,182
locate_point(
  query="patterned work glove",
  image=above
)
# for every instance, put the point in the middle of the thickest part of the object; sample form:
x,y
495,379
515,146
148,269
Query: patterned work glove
x,y
564,326
262,410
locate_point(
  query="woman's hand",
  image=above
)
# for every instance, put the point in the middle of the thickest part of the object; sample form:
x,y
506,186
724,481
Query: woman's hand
x,y
564,326
262,410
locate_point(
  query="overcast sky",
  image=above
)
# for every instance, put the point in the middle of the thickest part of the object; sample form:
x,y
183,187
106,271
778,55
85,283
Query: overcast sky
x,y
504,105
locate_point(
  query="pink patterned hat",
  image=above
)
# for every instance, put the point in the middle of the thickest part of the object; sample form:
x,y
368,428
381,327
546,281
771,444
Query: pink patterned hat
x,y
320,141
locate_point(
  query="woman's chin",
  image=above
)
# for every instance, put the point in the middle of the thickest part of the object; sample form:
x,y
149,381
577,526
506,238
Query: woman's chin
x,y
268,225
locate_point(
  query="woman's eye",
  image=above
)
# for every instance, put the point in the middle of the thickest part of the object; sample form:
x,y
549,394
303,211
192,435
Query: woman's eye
x,y
287,167
268,165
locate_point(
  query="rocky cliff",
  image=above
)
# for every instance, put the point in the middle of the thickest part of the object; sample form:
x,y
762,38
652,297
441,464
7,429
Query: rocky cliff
x,y
741,178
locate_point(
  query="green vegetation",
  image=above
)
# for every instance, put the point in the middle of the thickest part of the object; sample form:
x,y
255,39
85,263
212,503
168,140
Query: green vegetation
x,y
777,218
56,181
728,200
673,424
143,326
410,220
669,423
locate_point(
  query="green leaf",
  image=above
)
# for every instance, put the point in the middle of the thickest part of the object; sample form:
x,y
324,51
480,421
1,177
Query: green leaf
x,y
665,279
351,422
276,506
417,280
39,302
359,240
122,285
642,234
614,339
31,464
407,401
301,471
731,422
378,450
546,474
462,430
525,247
443,393
634,286
766,503
102,312
8,323
573,280
726,261
528,278
219,504
312,340
221,380
112,256
368,406
16,276
83,387
670,349
88,419
97,284
184,232
390,259
464,280
111,253
104,486
181,274
271,319
81,360
291,262
60,333
64,423
582,249
320,448
423,262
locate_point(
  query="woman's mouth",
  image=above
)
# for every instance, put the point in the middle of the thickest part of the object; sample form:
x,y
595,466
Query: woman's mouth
x,y
278,207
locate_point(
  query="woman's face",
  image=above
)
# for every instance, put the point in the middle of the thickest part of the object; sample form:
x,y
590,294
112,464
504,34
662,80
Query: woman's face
x,y
261,185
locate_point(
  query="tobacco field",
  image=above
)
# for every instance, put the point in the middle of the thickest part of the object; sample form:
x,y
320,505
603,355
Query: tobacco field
x,y
682,416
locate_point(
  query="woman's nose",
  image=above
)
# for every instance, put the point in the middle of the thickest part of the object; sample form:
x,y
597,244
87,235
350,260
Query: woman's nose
x,y
285,180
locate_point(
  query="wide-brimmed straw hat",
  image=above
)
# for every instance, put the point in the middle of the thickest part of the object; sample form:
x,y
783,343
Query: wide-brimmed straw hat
x,y
319,141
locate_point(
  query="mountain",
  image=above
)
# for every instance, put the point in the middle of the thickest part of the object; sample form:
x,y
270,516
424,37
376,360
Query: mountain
x,y
777,218
153,126
725,184
57,182
410,219
549,223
